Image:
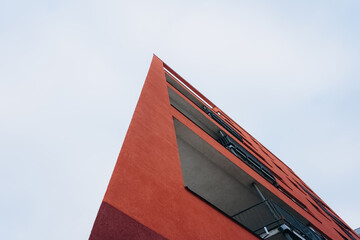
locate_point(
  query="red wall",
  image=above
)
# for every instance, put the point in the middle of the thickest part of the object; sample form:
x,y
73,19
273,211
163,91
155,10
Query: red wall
x,y
147,183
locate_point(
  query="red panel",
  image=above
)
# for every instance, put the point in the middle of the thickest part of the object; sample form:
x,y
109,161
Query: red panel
x,y
112,224
147,182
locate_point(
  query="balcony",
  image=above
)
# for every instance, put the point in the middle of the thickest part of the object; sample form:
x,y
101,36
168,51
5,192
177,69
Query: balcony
x,y
267,219
220,182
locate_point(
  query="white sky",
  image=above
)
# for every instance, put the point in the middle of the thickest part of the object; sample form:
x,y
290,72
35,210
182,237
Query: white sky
x,y
71,73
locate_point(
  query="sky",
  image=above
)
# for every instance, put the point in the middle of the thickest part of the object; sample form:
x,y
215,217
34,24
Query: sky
x,y
71,73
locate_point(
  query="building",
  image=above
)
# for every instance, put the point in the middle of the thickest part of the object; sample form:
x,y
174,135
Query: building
x,y
357,231
187,171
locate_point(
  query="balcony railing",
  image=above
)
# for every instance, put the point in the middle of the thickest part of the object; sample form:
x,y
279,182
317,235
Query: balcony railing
x,y
267,215
222,123
246,157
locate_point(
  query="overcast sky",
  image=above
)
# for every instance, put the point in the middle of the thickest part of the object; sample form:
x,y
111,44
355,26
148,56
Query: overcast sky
x,y
71,73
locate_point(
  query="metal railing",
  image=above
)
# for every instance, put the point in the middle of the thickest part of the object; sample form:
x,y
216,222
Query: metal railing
x,y
222,123
268,215
246,157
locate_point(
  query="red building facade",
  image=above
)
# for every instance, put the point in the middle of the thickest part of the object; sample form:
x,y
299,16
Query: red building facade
x,y
188,171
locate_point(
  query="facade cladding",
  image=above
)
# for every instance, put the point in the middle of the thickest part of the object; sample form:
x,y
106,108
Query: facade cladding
x,y
188,171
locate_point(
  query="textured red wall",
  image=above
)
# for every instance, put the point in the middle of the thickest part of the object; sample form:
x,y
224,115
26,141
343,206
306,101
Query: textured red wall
x,y
147,183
